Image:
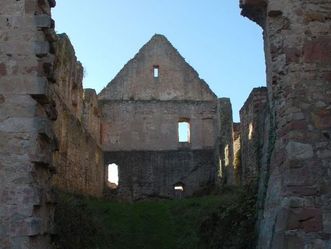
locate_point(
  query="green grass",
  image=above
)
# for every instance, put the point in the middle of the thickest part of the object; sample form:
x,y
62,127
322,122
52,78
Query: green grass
x,y
211,222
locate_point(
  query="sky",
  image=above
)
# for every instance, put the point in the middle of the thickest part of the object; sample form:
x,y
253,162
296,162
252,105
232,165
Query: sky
x,y
225,48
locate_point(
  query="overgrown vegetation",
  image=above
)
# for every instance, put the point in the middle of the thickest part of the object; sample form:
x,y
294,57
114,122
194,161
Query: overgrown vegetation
x,y
222,221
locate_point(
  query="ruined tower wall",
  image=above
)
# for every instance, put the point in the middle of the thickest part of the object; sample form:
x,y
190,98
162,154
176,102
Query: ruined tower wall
x,y
26,114
78,158
297,45
226,141
252,123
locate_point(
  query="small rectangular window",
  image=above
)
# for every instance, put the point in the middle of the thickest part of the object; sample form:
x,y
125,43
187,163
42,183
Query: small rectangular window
x,y
156,71
183,132
112,176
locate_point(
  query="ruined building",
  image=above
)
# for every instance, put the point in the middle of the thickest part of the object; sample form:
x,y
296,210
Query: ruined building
x,y
134,123
143,108
54,133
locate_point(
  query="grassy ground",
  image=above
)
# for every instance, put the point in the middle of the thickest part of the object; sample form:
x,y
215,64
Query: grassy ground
x,y
218,221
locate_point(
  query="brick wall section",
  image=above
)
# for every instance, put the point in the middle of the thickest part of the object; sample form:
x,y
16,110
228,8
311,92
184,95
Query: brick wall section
x,y
297,211
78,159
26,114
252,117
226,141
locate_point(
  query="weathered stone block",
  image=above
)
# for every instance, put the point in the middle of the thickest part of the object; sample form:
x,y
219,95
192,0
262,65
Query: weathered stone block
x,y
299,151
294,242
322,119
43,21
17,105
3,70
41,48
23,85
318,50
308,219
34,226
14,8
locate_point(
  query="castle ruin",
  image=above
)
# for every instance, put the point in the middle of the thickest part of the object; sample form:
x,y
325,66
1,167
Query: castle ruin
x,y
55,133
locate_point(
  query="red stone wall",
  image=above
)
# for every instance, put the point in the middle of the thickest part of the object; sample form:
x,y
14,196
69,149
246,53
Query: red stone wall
x,y
26,115
252,122
297,36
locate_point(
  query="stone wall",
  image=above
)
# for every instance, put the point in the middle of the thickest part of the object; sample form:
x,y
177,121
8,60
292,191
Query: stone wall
x,y
236,152
141,137
26,114
176,80
69,75
252,123
141,113
297,38
153,174
78,159
153,125
226,141
91,114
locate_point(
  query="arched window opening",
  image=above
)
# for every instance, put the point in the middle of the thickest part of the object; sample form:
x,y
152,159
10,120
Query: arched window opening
x,y
113,175
179,190
179,187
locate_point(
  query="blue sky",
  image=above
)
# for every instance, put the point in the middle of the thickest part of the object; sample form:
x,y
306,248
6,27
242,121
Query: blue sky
x,y
225,48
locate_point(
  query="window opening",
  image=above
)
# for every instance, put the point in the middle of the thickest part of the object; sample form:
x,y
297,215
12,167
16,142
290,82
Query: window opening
x,y
156,71
250,131
179,190
113,175
183,131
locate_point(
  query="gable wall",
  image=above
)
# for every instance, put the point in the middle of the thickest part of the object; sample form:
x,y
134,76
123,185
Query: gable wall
x,y
177,80
139,125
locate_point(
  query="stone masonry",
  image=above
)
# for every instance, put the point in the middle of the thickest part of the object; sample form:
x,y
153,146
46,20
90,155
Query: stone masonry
x,y
226,142
78,158
236,152
26,116
297,210
140,116
252,123
50,125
